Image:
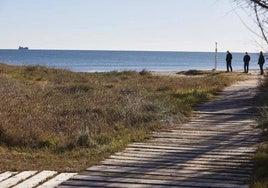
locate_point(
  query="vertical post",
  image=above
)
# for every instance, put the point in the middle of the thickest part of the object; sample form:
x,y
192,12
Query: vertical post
x,y
216,56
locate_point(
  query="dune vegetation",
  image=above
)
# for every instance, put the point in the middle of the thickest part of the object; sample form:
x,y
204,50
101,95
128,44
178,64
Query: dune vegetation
x,y
260,176
66,121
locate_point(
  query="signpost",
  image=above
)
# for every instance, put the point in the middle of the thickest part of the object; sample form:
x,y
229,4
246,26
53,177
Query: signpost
x,y
216,56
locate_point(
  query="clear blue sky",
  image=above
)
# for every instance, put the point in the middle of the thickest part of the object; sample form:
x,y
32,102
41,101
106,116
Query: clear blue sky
x,y
166,25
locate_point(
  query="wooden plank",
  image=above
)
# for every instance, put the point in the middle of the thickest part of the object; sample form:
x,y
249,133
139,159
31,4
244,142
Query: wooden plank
x,y
219,121
188,153
203,178
189,161
212,118
206,136
88,179
232,148
172,158
162,164
163,170
83,184
17,178
198,131
200,142
193,151
224,112
231,127
185,167
193,175
214,128
213,125
220,160
212,138
36,179
183,155
57,180
211,132
212,145
229,148
207,132
222,120
6,175
208,122
207,141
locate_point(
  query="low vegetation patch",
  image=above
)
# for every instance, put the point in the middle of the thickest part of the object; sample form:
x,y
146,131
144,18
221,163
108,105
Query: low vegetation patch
x,y
198,72
260,176
60,120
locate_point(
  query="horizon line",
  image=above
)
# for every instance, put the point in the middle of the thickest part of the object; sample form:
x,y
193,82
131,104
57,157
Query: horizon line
x,y
129,50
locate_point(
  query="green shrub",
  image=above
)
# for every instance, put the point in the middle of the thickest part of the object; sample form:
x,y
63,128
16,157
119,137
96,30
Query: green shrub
x,y
144,72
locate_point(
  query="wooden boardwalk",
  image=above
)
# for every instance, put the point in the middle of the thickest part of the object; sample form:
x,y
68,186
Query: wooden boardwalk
x,y
212,150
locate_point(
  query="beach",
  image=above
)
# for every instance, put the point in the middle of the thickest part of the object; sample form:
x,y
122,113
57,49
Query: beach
x,y
202,73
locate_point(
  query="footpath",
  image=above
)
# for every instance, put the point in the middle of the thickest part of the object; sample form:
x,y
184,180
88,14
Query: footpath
x,y
213,149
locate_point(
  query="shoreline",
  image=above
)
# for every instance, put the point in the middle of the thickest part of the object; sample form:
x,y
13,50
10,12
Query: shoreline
x,y
153,72
176,73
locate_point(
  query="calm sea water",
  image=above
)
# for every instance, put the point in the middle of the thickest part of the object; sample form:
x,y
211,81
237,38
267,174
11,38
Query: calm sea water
x,y
102,61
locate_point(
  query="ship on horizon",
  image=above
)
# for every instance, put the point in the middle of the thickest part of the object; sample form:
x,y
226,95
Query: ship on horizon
x,y
23,48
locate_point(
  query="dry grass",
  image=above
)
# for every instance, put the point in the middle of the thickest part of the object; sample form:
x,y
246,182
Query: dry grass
x,y
60,120
260,176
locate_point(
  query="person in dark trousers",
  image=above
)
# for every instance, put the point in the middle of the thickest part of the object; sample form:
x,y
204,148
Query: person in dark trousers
x,y
246,62
261,61
229,58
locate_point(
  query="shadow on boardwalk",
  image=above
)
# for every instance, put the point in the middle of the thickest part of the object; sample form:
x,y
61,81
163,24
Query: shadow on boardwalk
x,y
212,150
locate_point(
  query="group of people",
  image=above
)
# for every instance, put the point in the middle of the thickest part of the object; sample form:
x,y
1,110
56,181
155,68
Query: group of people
x,y
246,60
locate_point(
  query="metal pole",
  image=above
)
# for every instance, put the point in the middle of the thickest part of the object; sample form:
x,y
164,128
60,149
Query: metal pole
x,y
216,56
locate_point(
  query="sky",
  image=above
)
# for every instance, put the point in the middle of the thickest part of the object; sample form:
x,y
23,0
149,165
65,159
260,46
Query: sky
x,y
150,25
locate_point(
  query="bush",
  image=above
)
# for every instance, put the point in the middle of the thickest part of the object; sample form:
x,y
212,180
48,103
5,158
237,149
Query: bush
x,y
144,72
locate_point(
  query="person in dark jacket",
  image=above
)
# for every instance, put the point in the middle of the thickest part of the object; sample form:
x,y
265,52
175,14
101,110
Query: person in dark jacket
x,y
261,61
246,62
229,58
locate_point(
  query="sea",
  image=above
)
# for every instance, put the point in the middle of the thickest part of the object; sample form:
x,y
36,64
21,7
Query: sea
x,y
104,61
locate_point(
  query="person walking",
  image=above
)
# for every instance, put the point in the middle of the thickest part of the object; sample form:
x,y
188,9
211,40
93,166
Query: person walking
x,y
229,58
261,61
246,62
